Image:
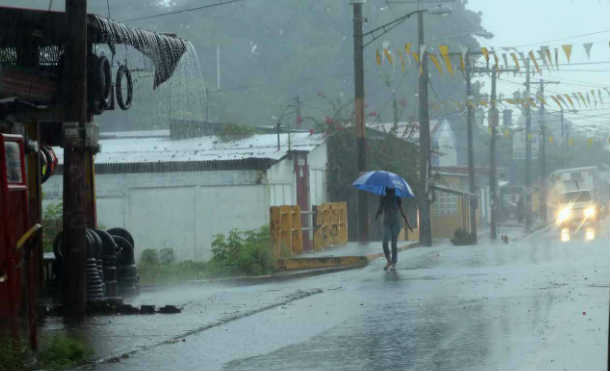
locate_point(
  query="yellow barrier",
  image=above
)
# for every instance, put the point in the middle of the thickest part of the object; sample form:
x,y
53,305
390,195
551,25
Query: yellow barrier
x,y
330,225
286,231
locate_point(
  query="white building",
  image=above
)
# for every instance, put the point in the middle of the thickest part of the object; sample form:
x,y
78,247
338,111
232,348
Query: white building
x,y
180,193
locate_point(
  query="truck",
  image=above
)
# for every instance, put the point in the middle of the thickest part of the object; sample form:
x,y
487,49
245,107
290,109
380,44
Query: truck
x,y
578,200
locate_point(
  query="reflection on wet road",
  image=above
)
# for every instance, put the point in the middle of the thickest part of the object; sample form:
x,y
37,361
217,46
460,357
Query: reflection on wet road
x,y
535,304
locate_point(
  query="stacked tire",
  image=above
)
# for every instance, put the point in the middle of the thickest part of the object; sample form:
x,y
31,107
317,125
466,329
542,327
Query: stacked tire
x,y
126,264
111,270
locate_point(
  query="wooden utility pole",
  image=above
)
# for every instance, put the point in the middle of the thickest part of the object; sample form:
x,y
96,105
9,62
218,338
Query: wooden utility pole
x,y
76,192
471,171
493,125
528,150
363,224
493,181
425,230
542,149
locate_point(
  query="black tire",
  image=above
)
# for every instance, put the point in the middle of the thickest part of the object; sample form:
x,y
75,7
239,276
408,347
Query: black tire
x,y
126,256
125,104
97,243
105,80
109,247
118,231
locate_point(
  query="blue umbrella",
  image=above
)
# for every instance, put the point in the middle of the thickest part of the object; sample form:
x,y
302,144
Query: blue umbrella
x,y
379,180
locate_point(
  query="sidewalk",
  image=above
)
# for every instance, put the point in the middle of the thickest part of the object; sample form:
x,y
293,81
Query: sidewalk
x,y
352,254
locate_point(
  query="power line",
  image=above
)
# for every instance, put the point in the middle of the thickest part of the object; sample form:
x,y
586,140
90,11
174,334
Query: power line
x,y
207,6
562,39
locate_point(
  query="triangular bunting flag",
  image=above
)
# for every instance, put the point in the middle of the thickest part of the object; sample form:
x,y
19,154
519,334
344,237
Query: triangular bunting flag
x,y
551,139
576,98
589,100
543,58
588,47
547,51
516,60
444,49
378,57
557,58
533,58
557,101
388,55
505,58
485,54
568,50
570,100
436,62
582,97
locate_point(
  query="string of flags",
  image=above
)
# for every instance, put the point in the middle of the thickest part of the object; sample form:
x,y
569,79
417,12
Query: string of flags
x,y
592,98
545,57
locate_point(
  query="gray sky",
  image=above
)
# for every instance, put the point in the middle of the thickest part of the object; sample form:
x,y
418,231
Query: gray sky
x,y
529,24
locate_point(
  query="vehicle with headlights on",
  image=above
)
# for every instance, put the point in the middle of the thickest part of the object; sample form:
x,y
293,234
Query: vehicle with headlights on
x,y
577,215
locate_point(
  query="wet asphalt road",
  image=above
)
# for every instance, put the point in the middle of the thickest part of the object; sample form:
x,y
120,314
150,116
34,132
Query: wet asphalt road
x,y
535,304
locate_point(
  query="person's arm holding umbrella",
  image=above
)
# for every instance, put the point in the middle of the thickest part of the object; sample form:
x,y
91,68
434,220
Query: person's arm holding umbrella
x,y
379,209
404,216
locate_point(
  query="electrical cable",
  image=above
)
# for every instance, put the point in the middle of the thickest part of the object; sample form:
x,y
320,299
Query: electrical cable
x,y
207,6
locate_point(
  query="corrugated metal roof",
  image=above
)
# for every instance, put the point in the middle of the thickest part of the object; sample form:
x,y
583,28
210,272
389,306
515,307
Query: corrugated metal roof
x,y
127,148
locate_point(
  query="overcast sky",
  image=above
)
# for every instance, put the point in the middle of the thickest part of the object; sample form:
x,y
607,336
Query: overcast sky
x,y
532,23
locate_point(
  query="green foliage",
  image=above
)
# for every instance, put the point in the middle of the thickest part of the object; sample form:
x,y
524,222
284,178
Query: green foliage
x,y
149,257
13,355
52,223
64,352
462,237
232,132
61,352
173,272
244,252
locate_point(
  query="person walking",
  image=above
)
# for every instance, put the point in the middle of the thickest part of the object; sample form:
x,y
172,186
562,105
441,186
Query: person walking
x,y
391,205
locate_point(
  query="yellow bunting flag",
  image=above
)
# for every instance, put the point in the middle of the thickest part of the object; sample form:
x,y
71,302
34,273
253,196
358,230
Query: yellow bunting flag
x,y
548,55
510,101
563,102
485,52
483,103
530,136
568,50
551,139
378,57
531,102
408,48
582,97
506,133
516,60
444,49
541,99
590,141
388,55
437,64
577,99
570,100
571,141
496,60
557,101
557,58
533,58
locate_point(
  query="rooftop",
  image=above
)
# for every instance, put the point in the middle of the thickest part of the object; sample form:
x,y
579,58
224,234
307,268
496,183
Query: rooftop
x,y
157,147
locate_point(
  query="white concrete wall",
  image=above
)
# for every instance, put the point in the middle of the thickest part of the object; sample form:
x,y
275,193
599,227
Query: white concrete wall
x,y
184,210
318,165
181,210
447,145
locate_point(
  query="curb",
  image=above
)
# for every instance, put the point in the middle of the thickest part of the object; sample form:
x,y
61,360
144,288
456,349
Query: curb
x,y
372,257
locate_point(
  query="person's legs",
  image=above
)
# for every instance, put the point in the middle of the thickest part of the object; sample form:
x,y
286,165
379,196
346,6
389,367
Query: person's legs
x,y
387,236
395,232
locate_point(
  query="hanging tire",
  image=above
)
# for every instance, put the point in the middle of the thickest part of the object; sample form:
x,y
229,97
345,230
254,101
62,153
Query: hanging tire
x,y
105,80
124,102
118,231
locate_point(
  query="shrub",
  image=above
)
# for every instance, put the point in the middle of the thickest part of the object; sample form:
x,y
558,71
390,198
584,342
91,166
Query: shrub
x,y
149,257
52,223
64,352
462,237
230,132
244,252
166,256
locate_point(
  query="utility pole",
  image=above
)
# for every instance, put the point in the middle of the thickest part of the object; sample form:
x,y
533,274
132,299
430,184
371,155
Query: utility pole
x,y
471,172
528,149
542,149
493,123
395,108
299,118
359,115
76,158
425,232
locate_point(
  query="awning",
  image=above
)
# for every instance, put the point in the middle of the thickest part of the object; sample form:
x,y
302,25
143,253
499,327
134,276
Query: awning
x,y
457,192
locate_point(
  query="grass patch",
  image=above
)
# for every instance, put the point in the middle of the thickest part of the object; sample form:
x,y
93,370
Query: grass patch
x,y
60,353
